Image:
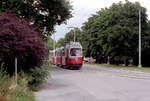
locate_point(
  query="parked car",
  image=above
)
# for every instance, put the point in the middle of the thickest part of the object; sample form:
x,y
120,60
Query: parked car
x,y
86,59
89,59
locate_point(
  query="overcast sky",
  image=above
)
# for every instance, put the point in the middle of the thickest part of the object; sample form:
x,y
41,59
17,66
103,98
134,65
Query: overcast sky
x,y
83,9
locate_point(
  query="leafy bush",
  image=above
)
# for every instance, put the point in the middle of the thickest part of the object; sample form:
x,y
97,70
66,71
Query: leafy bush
x,y
38,74
9,91
2,70
19,40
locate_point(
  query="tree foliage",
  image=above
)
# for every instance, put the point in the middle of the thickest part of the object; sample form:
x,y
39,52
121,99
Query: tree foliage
x,y
19,40
42,13
113,32
89,38
49,43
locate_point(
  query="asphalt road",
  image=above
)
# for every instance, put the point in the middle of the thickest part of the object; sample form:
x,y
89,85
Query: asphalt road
x,y
95,83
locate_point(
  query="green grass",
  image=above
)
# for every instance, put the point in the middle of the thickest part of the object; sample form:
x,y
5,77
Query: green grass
x,y
145,69
10,91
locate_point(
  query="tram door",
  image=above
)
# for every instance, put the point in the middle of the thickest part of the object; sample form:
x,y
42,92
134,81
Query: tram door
x,y
63,57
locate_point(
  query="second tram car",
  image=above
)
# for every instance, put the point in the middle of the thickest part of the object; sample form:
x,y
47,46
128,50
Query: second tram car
x,y
68,56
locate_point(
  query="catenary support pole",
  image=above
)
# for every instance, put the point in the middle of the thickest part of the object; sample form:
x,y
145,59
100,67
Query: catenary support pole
x,y
139,40
16,70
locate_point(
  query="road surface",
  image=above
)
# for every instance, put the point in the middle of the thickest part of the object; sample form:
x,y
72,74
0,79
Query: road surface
x,y
95,83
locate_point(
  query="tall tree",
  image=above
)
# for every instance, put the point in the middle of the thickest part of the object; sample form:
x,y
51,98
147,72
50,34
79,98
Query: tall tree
x,y
49,43
61,42
89,37
19,40
113,32
41,13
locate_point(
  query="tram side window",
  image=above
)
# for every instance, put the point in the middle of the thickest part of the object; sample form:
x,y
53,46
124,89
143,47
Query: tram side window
x,y
63,52
58,54
75,52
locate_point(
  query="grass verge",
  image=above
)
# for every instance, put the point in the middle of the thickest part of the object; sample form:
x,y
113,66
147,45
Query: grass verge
x,y
145,69
10,91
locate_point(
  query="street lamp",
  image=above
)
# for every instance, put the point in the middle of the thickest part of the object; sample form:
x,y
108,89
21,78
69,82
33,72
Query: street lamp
x,y
74,32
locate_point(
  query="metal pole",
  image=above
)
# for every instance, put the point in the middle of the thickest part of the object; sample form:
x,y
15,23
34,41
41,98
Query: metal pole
x,y
54,49
16,69
139,40
108,62
74,36
74,32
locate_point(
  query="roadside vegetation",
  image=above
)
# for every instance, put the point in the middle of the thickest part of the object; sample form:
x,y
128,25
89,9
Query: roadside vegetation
x,y
12,89
25,30
36,76
145,69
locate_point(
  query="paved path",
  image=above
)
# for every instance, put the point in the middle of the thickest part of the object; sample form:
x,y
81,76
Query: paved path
x,y
95,83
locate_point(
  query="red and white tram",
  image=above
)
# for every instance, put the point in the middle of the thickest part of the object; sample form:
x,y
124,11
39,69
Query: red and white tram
x,y
68,56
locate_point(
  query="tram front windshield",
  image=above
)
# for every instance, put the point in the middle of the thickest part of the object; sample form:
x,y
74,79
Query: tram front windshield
x,y
75,52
